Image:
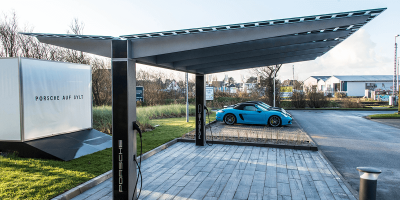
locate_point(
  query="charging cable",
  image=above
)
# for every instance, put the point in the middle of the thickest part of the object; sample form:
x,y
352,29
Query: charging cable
x,y
136,127
212,138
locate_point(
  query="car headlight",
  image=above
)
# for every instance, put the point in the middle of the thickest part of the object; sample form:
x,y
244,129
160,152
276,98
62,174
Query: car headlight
x,y
220,111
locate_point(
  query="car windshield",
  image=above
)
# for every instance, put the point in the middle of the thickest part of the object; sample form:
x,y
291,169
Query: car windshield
x,y
264,104
261,108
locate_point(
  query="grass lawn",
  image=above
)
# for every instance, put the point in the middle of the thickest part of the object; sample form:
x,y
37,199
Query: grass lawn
x,y
385,116
168,130
24,178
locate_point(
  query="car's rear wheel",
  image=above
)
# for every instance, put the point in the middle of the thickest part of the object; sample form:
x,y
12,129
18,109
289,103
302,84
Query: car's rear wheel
x,y
274,121
230,119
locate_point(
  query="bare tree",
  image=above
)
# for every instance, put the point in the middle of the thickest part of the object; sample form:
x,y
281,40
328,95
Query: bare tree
x,y
152,83
76,27
9,36
101,81
13,44
30,47
266,82
74,56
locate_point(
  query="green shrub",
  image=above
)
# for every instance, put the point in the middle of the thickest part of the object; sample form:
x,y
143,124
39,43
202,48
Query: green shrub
x,y
340,94
286,104
317,100
333,104
298,100
348,103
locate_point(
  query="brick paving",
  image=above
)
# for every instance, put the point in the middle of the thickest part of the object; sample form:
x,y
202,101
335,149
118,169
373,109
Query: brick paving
x,y
186,171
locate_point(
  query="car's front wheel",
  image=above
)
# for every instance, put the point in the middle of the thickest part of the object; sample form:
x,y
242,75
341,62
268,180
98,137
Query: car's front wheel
x,y
274,121
230,119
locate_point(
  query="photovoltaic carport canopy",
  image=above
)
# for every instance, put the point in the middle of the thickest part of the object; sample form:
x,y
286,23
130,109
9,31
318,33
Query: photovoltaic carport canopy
x,y
229,47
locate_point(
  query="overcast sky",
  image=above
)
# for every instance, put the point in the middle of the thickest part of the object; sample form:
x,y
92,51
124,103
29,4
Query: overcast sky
x,y
369,51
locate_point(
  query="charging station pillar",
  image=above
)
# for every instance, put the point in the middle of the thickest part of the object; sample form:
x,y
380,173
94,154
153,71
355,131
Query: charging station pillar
x,y
123,71
200,117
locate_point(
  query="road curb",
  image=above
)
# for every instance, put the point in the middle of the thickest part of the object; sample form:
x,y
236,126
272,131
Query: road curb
x,y
312,148
99,179
367,117
353,191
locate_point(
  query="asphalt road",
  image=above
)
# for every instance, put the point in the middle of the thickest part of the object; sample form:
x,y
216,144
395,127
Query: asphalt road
x,y
350,141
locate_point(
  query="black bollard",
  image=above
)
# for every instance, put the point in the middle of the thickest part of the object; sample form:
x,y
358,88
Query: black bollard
x,y
368,182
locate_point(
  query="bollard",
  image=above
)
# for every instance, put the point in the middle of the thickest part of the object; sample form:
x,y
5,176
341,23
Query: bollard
x,y
368,182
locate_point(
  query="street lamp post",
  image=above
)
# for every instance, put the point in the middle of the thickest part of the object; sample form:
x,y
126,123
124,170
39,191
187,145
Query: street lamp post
x,y
187,97
274,83
395,79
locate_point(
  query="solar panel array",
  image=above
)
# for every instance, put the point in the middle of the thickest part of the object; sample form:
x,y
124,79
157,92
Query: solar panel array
x,y
302,39
371,13
96,37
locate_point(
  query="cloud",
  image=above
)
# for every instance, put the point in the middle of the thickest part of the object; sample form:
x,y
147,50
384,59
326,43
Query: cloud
x,y
356,55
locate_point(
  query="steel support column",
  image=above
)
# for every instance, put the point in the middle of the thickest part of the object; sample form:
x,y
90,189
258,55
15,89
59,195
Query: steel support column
x,y
123,115
200,116
187,97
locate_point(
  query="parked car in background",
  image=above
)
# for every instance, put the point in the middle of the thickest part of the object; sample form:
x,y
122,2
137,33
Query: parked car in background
x,y
263,105
269,107
254,112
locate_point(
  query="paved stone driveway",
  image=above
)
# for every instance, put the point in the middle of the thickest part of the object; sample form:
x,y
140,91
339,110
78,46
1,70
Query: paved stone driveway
x,y
286,135
186,171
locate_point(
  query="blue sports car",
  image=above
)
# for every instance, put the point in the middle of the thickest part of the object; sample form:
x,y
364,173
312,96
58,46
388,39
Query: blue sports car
x,y
254,113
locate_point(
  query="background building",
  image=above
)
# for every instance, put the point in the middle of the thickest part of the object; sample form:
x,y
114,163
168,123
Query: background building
x,y
321,84
352,85
356,85
311,83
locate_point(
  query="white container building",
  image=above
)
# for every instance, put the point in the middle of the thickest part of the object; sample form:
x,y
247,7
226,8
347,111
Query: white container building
x,y
46,109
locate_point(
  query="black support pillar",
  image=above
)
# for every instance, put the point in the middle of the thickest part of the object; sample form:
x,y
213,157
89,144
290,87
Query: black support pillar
x,y
123,114
200,115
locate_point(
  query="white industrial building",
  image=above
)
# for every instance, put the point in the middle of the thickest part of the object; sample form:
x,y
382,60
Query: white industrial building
x,y
353,85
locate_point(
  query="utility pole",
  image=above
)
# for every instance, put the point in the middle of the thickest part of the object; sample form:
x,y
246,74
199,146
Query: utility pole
x,y
395,81
397,85
187,98
293,74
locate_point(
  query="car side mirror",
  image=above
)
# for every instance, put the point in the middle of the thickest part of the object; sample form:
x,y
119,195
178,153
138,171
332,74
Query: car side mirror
x,y
259,110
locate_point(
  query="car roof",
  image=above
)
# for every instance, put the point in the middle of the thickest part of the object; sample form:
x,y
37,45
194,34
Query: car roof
x,y
253,102
246,104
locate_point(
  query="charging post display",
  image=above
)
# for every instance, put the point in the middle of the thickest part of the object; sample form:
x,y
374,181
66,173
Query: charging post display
x,y
200,116
124,117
